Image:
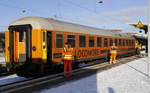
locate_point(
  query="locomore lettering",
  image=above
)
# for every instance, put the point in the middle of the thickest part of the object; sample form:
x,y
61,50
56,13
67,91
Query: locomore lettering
x,y
86,53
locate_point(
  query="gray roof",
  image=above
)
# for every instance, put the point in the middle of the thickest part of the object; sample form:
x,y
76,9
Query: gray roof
x,y
52,24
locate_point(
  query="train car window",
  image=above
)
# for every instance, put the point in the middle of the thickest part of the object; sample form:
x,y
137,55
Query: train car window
x,y
111,41
133,43
126,42
44,36
116,42
21,36
71,40
123,42
120,42
99,42
82,41
105,42
129,42
59,41
91,41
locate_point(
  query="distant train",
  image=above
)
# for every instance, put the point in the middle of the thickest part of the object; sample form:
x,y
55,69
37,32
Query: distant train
x,y
34,45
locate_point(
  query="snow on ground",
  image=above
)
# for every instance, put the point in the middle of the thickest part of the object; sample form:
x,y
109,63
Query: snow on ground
x,y
127,78
2,59
85,85
10,79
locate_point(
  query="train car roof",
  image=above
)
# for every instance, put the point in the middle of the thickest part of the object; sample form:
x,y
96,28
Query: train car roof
x,y
52,24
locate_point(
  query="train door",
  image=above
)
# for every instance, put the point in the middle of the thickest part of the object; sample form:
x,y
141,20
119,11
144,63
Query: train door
x,y
20,43
49,47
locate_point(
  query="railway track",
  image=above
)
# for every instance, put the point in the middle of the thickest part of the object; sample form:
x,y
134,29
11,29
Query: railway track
x,y
38,84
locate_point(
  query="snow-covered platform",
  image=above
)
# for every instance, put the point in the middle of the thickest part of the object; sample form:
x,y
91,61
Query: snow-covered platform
x,y
10,79
127,78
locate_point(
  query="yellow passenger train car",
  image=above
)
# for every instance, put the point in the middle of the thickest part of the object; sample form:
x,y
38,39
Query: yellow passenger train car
x,y
35,44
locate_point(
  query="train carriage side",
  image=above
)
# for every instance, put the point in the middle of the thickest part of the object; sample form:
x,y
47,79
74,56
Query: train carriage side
x,y
35,45
91,47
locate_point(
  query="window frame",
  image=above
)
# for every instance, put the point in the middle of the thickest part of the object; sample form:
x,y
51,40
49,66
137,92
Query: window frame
x,y
100,41
74,40
127,42
92,36
104,41
116,41
111,43
120,42
132,42
124,42
21,36
59,38
80,40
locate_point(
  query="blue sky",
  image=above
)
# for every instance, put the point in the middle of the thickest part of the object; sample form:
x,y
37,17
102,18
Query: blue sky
x,y
111,14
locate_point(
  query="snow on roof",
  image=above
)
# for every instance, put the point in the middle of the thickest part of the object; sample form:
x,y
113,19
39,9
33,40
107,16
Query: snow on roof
x,y
52,24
